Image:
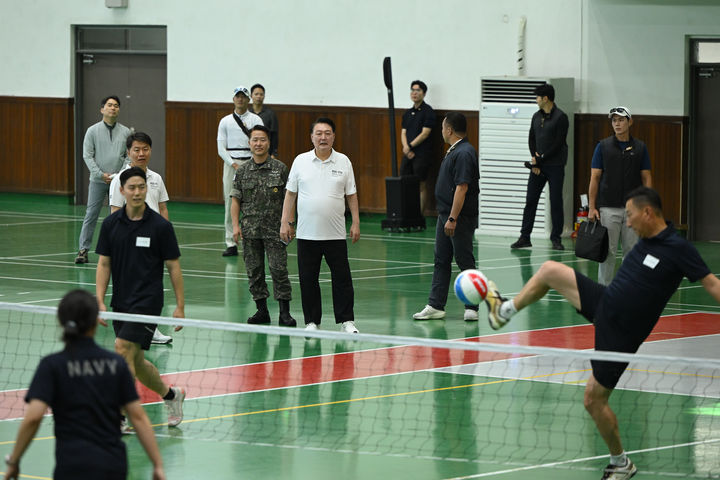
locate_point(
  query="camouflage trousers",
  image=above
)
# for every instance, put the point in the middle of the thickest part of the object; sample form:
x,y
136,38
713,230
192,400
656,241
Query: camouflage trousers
x,y
254,250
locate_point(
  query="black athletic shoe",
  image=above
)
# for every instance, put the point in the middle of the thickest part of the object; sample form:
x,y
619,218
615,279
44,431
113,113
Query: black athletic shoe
x,y
260,317
521,243
230,252
557,246
82,256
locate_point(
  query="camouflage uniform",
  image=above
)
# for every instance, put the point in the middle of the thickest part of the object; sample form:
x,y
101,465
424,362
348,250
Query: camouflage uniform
x,y
260,189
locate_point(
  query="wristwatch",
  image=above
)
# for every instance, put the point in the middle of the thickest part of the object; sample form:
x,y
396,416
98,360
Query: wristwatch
x,y
451,220
10,463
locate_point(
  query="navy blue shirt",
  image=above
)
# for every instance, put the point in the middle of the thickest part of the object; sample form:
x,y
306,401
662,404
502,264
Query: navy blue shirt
x,y
85,386
597,158
138,251
414,120
459,166
647,278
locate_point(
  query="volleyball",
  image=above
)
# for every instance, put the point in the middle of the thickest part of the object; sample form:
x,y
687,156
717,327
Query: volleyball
x,y
471,287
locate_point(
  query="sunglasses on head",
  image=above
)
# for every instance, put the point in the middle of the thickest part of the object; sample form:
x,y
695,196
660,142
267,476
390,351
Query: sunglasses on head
x,y
619,111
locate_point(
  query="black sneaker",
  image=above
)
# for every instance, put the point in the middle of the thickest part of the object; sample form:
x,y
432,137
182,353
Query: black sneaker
x,y
521,243
230,252
286,320
82,256
616,472
261,317
557,246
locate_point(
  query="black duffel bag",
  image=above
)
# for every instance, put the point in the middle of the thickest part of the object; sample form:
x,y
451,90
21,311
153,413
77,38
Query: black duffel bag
x,y
592,241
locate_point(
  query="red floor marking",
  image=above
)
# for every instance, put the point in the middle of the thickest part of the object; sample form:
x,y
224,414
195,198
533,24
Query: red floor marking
x,y
383,361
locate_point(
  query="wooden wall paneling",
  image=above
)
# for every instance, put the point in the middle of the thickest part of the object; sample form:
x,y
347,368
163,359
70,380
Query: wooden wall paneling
x,y
666,142
37,139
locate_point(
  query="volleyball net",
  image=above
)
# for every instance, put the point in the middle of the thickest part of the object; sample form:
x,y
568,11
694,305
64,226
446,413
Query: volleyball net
x,y
508,406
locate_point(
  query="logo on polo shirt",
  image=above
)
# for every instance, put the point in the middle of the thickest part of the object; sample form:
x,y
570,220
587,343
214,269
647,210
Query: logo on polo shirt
x,y
336,173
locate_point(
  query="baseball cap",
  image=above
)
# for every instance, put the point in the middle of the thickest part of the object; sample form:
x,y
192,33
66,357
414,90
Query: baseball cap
x,y
622,111
241,89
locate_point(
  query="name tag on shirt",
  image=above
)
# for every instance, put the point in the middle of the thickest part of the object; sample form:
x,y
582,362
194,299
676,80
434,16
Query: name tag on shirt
x,y
142,242
651,261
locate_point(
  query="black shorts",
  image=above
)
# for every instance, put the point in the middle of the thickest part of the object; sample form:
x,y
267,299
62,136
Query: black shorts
x,y
140,333
607,337
418,166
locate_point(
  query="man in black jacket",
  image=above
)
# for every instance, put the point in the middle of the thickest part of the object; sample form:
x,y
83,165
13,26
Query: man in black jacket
x,y
549,151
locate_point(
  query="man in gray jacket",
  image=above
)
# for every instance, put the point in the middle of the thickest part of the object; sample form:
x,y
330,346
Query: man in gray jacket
x,y
104,154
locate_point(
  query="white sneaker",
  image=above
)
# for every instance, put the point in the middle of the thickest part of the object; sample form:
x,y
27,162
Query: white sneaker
x,y
615,472
470,315
161,339
349,327
175,407
125,428
311,326
429,313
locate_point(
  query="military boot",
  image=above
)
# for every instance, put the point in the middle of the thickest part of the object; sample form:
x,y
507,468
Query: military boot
x,y
262,315
286,320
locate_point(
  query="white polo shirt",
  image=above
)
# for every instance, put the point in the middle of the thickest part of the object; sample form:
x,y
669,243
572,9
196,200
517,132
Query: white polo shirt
x,y
156,191
321,187
233,138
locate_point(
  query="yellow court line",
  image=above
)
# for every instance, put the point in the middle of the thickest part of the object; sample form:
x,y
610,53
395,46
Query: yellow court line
x,y
22,475
377,397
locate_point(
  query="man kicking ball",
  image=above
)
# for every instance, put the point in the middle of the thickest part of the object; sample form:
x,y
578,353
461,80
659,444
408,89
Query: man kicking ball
x,y
624,312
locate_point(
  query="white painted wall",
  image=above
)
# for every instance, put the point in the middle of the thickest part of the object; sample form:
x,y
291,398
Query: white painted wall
x,y
637,52
329,52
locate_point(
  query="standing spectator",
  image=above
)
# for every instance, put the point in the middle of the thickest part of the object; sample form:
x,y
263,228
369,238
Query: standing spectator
x,y
139,150
417,124
85,386
620,164
549,151
233,148
258,196
456,192
268,116
134,244
104,155
320,181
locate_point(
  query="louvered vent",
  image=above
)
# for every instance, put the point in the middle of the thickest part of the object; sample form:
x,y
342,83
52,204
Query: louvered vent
x,y
509,91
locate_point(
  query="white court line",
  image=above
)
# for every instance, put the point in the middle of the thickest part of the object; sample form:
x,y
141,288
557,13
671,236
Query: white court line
x,y
44,222
586,459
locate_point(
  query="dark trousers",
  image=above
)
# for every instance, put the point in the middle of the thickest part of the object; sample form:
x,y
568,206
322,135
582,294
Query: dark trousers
x,y
309,255
555,175
459,246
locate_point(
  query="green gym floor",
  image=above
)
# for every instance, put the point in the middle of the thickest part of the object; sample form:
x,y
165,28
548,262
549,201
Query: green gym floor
x,y
327,410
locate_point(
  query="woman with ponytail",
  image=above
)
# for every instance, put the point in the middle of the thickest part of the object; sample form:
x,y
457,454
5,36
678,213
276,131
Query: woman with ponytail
x,y
86,387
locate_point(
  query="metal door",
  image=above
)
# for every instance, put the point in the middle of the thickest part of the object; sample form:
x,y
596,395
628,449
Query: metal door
x,y
140,81
704,224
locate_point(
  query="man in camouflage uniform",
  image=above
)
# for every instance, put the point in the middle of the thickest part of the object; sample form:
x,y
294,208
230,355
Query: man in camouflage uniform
x,y
257,195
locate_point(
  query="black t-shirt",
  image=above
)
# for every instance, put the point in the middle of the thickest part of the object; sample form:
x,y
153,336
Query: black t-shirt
x,y
137,251
414,120
459,166
85,386
647,278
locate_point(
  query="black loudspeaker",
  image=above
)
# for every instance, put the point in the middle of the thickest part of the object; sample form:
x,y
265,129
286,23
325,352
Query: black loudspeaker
x,y
402,195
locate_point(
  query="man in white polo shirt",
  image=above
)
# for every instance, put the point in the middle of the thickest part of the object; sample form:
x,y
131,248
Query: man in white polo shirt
x,y
139,151
320,180
233,147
